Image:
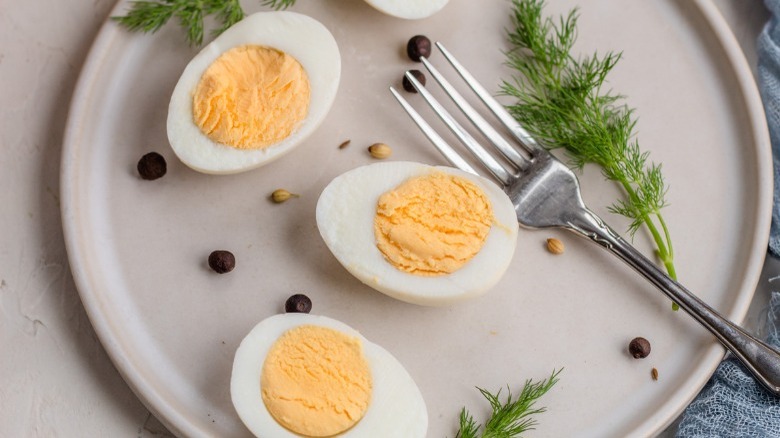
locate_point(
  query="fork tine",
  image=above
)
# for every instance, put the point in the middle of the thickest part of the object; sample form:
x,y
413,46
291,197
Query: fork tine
x,y
487,160
484,127
444,148
525,139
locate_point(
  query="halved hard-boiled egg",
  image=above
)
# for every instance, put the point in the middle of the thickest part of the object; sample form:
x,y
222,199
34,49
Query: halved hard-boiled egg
x,y
409,9
297,374
422,234
254,93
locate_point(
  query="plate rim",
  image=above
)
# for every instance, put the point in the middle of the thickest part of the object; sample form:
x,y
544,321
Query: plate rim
x,y
171,418
179,423
748,90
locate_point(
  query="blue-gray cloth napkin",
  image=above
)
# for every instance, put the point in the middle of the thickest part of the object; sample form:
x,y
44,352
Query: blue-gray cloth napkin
x,y
733,404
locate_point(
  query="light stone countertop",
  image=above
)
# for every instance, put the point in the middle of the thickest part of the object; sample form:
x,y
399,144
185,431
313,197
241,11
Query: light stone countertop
x,y
55,377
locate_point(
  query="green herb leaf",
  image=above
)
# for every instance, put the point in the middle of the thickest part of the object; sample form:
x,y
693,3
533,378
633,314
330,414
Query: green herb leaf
x,y
150,16
279,4
562,100
509,418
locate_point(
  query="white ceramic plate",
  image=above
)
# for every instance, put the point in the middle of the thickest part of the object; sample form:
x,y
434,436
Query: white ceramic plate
x,y
138,248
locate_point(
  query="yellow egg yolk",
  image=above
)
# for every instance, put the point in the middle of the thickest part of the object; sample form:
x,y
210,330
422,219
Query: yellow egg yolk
x,y
432,224
316,381
251,97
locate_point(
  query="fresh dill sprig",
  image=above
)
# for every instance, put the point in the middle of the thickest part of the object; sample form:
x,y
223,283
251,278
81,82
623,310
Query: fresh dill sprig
x,y
511,417
562,101
279,4
150,16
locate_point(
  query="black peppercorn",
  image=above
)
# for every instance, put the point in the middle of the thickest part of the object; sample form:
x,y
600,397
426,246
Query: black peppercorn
x,y
639,348
408,84
418,45
152,166
298,303
222,261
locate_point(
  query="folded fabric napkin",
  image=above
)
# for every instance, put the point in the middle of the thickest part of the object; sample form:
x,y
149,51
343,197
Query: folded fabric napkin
x,y
733,404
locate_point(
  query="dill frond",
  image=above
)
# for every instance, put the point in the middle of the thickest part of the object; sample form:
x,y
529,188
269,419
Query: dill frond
x,y
563,101
511,417
279,4
150,16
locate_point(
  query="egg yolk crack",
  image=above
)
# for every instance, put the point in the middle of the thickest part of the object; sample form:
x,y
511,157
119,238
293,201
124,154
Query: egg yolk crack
x,y
251,97
432,224
316,381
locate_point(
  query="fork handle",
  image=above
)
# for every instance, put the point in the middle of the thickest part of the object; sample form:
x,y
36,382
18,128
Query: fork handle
x,y
759,358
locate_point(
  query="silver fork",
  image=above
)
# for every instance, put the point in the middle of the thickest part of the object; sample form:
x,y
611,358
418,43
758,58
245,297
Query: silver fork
x,y
546,193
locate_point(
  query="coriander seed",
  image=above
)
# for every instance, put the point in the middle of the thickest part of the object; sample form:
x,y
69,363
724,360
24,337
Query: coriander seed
x,y
222,261
152,166
639,348
281,195
380,151
555,246
407,84
298,303
418,46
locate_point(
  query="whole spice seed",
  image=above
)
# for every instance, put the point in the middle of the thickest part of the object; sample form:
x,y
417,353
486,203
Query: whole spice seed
x,y
418,45
298,303
380,151
152,166
222,261
555,246
407,84
639,348
281,195
654,374
344,144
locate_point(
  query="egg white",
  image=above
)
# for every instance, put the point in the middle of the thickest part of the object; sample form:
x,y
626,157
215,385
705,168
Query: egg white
x,y
408,9
397,409
303,38
345,218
